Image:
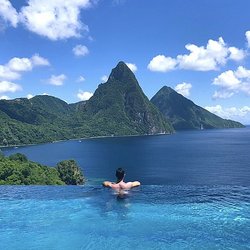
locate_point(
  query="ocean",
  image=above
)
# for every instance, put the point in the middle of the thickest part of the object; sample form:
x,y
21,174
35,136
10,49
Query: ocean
x,y
195,194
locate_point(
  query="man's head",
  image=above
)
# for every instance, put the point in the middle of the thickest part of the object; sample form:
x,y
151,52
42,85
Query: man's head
x,y
120,173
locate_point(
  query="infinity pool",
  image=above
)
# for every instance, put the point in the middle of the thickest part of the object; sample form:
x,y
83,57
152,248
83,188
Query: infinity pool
x,y
150,217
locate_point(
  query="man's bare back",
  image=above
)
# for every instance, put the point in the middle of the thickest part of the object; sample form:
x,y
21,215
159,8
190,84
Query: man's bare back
x,y
120,184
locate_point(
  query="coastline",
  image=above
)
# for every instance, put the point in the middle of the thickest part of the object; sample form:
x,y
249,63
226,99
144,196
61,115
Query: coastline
x,y
99,137
83,138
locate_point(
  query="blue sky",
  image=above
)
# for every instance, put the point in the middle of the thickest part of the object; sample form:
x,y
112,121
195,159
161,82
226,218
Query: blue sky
x,y
67,48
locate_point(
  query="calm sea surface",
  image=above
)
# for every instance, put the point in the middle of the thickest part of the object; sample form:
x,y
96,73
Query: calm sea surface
x,y
195,194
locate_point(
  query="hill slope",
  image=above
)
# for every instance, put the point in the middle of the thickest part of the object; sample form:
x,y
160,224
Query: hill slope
x,y
122,108
184,114
118,107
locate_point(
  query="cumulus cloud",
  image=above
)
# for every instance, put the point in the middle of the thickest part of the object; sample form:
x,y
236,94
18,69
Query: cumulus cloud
x,y
239,114
222,94
104,78
236,54
12,70
8,13
162,63
80,50
37,60
29,96
232,82
54,19
6,86
4,97
57,80
183,89
132,67
199,58
57,20
7,74
84,95
80,79
20,64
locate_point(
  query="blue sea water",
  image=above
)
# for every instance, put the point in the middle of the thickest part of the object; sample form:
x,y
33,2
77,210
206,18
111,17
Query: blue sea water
x,y
195,194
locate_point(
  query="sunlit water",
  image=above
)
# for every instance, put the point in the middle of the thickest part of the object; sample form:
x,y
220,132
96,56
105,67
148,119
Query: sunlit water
x,y
195,195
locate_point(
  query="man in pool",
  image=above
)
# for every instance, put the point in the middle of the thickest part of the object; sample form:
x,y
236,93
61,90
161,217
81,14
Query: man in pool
x,y
120,185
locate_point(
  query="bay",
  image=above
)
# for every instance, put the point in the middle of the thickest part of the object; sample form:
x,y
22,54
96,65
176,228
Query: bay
x,y
206,157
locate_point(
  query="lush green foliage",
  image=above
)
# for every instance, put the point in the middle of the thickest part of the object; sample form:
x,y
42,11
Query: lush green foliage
x,y
118,107
70,173
184,114
18,170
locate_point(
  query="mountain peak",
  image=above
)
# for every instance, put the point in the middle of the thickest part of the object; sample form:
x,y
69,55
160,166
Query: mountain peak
x,y
121,72
166,89
184,114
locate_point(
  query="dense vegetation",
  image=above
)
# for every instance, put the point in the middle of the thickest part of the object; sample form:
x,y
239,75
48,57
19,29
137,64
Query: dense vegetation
x,y
184,114
69,172
18,170
118,107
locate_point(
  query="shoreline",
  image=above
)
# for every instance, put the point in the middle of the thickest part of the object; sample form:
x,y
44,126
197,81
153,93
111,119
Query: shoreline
x,y
103,136
83,138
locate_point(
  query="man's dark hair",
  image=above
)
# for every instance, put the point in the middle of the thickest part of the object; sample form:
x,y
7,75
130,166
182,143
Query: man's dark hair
x,y
119,174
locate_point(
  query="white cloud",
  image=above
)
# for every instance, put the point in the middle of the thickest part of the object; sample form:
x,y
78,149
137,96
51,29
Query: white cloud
x,y
20,64
162,64
80,50
8,12
200,58
37,60
239,114
104,78
7,74
227,79
236,54
80,79
84,96
183,88
232,82
11,70
248,38
54,19
222,94
132,67
57,80
29,96
4,97
6,86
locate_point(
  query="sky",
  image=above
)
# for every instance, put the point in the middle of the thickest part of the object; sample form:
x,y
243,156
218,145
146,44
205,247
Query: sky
x,y
67,48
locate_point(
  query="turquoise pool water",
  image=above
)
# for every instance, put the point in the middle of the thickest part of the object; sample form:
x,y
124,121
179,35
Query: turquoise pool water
x,y
151,217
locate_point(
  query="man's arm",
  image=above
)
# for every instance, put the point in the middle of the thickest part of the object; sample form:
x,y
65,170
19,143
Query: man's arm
x,y
136,183
107,184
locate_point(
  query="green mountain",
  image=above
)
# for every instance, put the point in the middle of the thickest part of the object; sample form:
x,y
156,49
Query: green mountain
x,y
118,107
184,114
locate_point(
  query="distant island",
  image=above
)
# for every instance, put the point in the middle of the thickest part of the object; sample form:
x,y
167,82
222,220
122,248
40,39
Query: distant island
x,y
118,108
18,170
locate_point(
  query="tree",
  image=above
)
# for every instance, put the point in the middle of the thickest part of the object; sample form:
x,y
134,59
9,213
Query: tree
x,y
1,154
18,157
70,172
